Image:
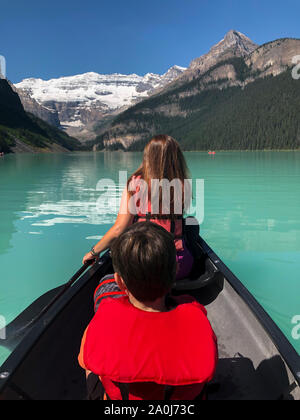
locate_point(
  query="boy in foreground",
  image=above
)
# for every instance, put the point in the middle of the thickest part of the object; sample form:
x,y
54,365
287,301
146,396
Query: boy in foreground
x,y
143,344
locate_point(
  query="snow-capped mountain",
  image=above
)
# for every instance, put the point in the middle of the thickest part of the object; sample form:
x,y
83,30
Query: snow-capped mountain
x,y
77,103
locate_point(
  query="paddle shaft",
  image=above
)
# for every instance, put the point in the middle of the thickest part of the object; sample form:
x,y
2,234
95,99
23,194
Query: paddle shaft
x,y
20,331
64,288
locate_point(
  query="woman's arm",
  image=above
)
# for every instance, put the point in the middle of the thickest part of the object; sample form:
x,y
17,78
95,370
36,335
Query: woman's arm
x,y
123,221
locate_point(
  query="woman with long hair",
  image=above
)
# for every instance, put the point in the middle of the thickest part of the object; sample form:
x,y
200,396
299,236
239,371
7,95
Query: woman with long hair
x,y
157,192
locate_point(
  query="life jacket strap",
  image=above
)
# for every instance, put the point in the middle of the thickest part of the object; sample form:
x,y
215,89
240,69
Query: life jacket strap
x,y
124,390
149,216
168,392
172,218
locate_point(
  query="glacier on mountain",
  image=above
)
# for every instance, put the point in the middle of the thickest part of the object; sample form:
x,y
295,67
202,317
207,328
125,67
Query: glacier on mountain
x,y
82,100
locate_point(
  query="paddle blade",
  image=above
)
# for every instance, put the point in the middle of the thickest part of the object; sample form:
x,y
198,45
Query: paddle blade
x,y
12,334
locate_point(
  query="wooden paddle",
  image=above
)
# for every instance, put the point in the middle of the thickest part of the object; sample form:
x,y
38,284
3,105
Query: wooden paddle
x,y
17,329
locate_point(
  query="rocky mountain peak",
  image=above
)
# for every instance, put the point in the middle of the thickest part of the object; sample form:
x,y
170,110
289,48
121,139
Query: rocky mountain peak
x,y
172,74
234,44
235,39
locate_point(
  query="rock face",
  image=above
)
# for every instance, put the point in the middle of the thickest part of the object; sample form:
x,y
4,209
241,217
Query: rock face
x,y
235,44
32,106
22,132
77,103
275,57
235,61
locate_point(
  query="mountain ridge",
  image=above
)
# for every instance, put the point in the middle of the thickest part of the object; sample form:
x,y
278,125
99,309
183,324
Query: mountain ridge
x,y
192,94
77,103
233,68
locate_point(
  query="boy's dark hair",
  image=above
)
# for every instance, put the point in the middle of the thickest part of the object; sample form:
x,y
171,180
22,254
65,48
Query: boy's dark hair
x,y
145,257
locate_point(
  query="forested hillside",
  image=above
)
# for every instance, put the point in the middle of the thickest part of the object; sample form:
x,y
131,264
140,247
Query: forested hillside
x,y
263,115
17,125
243,103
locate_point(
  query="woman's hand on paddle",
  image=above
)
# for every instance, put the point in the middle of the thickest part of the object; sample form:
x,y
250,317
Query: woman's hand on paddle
x,y
89,257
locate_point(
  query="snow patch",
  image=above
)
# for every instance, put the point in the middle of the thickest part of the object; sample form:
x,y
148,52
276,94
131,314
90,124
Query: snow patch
x,y
92,89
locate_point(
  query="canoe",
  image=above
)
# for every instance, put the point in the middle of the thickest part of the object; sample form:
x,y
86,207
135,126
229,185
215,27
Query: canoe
x,y
257,362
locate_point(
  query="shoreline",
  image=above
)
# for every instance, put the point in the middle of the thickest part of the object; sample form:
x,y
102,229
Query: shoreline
x,y
49,151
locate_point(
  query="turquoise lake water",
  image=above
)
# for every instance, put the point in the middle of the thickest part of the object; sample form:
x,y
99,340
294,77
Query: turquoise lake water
x,y
50,216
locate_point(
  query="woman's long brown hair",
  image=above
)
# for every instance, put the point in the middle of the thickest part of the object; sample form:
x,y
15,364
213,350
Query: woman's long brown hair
x,y
163,159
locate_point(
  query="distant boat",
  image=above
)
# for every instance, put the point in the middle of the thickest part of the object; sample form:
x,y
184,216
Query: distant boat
x,y
211,153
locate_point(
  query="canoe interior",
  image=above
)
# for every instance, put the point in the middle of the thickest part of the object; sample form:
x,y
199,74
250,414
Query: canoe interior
x,y
250,366
44,365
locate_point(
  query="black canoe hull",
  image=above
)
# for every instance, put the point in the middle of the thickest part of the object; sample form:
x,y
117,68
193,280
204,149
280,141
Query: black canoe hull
x,y
256,360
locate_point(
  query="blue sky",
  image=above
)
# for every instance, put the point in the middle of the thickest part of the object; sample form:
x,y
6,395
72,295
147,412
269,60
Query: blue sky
x,y
49,39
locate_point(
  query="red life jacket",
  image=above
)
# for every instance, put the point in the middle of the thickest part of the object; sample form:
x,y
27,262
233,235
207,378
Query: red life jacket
x,y
173,224
148,351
